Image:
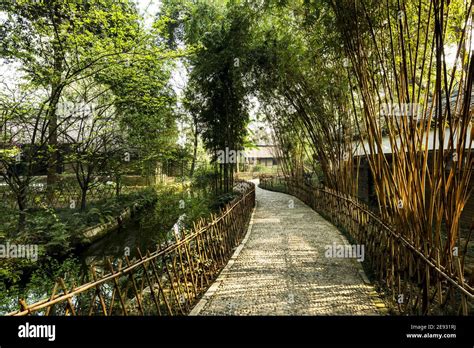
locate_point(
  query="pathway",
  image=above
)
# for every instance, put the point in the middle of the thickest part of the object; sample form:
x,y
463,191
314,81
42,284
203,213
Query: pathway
x,y
281,268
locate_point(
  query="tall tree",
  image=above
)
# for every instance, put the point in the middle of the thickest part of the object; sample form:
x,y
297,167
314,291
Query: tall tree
x,y
219,71
59,42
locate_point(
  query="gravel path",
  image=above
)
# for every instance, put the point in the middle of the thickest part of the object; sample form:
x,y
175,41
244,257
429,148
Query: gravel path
x,y
281,268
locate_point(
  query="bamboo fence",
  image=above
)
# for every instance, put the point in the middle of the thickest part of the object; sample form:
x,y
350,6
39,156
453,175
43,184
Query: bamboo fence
x,y
425,285
168,281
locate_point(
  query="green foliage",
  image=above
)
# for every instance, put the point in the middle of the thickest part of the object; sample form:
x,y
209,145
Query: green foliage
x,y
45,228
144,101
222,200
33,281
38,33
258,168
203,178
55,232
218,88
94,53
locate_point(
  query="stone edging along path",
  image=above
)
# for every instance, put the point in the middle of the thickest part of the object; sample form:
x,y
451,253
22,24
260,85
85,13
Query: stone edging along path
x,y
280,268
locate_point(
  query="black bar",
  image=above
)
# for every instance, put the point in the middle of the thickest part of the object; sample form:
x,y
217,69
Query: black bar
x,y
289,331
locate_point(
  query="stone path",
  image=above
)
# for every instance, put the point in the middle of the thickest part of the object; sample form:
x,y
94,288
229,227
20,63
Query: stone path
x,y
281,268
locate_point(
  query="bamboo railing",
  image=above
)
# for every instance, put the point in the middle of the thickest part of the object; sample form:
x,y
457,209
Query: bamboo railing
x,y
168,281
416,283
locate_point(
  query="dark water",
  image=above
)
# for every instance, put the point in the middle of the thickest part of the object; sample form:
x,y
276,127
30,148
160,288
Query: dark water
x,y
133,234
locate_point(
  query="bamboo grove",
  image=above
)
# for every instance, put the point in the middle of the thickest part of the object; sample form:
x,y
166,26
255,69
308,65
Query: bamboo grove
x,y
405,71
423,200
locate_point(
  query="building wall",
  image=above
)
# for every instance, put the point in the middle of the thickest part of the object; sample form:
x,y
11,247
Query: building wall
x,y
267,162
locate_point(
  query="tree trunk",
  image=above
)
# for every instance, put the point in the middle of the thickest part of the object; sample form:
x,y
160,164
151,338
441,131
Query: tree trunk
x,y
53,126
22,205
193,163
56,90
84,197
118,186
51,179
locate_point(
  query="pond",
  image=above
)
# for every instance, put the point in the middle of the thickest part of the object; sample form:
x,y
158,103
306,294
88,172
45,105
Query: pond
x,y
125,240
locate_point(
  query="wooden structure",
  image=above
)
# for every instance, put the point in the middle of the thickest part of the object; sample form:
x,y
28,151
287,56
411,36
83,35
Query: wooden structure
x,y
167,281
